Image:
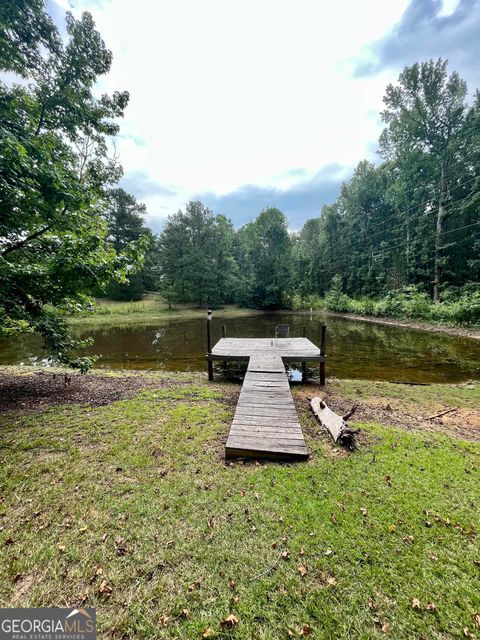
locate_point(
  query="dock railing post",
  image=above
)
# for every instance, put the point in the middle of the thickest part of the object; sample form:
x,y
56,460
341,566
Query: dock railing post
x,y
224,335
209,344
322,353
304,363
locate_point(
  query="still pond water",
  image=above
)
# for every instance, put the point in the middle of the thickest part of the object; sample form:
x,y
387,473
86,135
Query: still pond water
x,y
355,349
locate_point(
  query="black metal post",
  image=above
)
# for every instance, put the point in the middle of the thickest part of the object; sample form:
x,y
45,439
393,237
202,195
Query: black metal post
x,y
209,345
304,330
322,353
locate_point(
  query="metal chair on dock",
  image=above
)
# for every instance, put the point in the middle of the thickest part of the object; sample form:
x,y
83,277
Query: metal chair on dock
x,y
282,331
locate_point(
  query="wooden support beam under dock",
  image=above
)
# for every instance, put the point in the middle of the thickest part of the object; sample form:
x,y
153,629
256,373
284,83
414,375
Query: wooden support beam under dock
x,y
266,424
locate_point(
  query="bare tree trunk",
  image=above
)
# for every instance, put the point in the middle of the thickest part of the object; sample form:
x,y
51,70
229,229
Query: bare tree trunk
x,y
438,235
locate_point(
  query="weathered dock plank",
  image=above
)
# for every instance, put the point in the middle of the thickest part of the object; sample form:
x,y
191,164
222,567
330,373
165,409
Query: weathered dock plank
x,y
266,422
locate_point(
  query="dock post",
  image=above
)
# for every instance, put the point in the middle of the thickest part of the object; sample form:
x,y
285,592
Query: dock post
x,y
209,344
322,353
224,335
304,363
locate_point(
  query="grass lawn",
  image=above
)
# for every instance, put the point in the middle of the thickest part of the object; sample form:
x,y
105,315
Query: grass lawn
x,y
151,308
124,502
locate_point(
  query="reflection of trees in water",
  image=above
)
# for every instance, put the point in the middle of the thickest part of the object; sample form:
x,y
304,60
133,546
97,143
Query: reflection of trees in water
x,y
354,349
25,349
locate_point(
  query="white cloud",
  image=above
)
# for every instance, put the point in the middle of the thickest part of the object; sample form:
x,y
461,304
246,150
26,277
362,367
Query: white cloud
x,y
229,93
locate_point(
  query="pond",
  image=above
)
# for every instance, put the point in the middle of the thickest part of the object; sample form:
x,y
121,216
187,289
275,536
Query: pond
x,y
355,349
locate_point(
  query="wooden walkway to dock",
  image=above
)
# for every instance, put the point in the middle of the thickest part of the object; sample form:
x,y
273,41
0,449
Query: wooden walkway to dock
x,y
266,424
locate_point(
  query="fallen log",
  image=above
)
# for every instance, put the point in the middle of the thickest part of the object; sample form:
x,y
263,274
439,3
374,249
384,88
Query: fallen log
x,y
336,425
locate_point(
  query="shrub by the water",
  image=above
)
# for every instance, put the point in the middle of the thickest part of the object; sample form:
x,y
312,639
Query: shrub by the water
x,y
458,306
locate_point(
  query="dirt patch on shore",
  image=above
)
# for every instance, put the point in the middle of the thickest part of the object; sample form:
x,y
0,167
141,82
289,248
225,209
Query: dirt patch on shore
x,y
461,423
38,390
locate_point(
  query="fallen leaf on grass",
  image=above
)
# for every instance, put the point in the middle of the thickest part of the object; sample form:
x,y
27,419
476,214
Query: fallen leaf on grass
x,y
430,606
305,630
302,569
289,633
207,632
302,551
467,633
333,518
105,588
331,581
408,539
328,552
232,585
61,548
364,512
194,585
229,622
285,554
274,545
476,619
416,603
385,627
392,528
164,620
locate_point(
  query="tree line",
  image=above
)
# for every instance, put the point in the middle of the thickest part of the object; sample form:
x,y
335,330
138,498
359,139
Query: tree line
x,y
411,221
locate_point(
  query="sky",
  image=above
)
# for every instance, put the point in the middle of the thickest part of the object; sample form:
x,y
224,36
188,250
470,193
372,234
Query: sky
x,y
247,104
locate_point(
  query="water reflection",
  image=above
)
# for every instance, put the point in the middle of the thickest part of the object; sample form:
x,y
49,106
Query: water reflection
x,y
354,349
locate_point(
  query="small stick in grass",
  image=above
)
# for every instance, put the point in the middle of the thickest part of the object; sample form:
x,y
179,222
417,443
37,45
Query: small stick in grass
x,y
442,413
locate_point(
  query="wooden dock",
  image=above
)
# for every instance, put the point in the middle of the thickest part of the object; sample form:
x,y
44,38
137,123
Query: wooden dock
x,y
266,424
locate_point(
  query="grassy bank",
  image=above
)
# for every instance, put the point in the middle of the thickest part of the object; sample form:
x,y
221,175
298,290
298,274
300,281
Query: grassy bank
x,y
403,304
151,308
114,494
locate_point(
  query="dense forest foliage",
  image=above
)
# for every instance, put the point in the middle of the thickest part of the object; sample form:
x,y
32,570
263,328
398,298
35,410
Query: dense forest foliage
x,y
56,176
405,231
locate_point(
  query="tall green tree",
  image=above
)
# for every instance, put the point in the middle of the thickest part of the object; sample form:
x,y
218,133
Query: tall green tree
x,y
267,258
126,226
55,175
196,257
426,116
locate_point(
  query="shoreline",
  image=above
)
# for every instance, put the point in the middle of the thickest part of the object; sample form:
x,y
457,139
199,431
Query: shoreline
x,y
183,312
462,332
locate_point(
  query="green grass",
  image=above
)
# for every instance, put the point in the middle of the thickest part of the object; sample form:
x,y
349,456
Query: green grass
x,y
151,308
135,497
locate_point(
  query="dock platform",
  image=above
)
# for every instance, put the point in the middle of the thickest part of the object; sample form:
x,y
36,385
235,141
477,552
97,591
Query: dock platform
x,y
266,424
